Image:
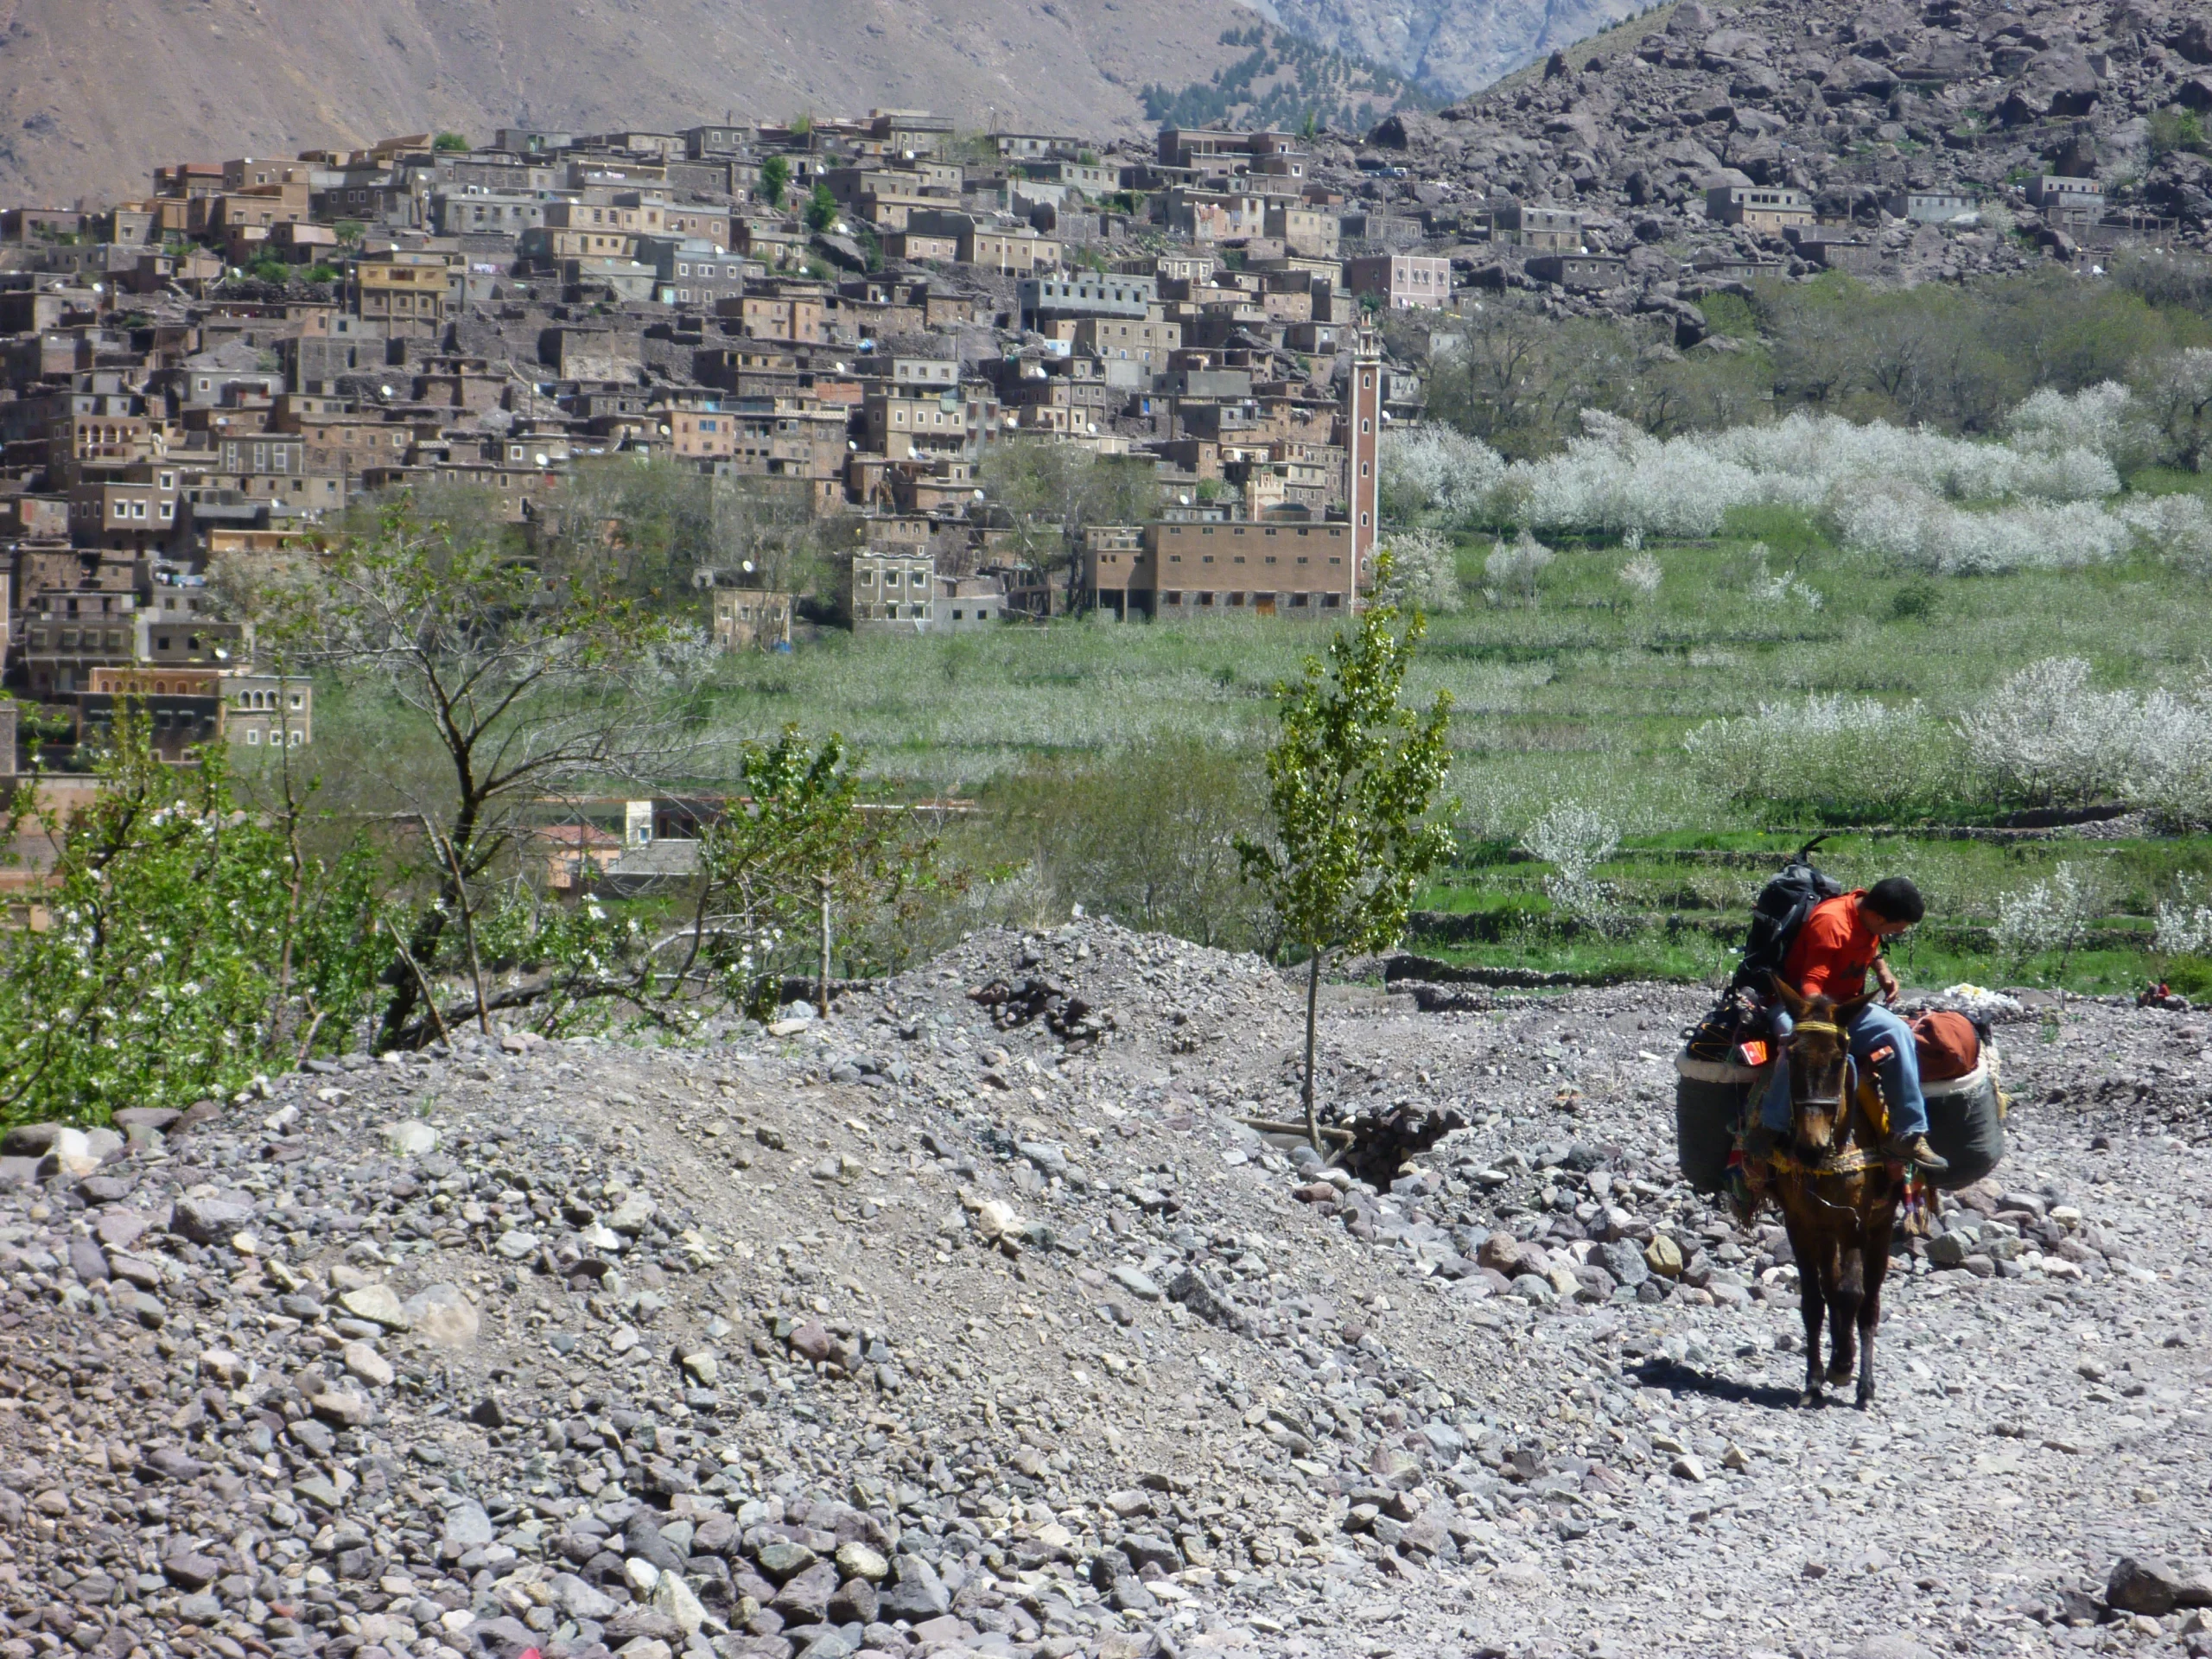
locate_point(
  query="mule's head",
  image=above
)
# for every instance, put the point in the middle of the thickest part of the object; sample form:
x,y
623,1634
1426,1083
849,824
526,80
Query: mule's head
x,y
1818,1054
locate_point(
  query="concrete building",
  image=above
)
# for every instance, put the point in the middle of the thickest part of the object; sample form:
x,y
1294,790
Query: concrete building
x,y
1401,281
1771,209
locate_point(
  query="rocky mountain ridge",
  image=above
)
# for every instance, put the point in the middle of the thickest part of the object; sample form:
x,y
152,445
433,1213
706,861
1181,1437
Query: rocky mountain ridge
x,y
1855,107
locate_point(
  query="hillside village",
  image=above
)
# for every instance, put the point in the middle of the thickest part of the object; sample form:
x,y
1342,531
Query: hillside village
x,y
848,316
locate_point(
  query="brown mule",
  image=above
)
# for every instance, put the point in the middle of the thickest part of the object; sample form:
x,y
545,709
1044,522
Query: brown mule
x,y
1838,1194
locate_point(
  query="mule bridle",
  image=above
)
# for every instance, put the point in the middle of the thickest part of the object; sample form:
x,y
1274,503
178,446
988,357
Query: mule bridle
x,y
1825,1027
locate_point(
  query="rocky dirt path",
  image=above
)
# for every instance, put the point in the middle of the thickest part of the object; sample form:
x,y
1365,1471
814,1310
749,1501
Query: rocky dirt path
x,y
984,1327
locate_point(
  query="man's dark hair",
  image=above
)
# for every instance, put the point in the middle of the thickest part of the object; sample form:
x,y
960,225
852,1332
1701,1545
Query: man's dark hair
x,y
1895,897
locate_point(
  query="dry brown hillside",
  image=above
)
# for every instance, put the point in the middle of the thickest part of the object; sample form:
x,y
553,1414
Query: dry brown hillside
x,y
94,92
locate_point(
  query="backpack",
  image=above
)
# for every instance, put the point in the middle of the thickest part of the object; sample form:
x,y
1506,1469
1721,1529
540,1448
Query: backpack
x,y
1778,914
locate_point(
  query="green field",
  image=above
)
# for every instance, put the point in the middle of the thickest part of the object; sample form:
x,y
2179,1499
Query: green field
x,y
1584,695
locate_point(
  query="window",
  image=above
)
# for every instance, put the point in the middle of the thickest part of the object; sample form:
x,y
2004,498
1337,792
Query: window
x,y
253,736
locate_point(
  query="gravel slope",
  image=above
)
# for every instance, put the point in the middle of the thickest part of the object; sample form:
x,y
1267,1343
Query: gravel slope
x,y
903,1332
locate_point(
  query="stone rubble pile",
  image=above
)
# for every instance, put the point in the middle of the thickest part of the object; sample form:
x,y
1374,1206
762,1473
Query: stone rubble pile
x,y
904,1330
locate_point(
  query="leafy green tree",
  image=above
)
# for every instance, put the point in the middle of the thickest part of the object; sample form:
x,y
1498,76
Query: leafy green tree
x,y
798,851
775,175
446,144
1050,490
2178,391
1350,782
320,273
350,232
820,209
190,944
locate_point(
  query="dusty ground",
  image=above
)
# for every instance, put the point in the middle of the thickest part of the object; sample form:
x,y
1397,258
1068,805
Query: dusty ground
x,y
903,1332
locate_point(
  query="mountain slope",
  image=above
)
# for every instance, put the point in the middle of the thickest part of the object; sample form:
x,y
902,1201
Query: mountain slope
x,y
94,92
1450,46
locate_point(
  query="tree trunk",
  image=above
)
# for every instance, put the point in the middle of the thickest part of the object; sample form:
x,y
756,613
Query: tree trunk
x,y
822,882
1312,1002
405,975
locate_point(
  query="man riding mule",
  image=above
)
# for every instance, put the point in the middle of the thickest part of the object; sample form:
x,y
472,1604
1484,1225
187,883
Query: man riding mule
x,y
1840,940
1838,1190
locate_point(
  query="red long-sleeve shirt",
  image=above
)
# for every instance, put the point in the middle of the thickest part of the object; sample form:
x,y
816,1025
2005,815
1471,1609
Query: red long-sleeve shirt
x,y
1831,954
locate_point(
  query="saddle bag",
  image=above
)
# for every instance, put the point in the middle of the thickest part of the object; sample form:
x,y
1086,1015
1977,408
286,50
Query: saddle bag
x,y
1711,1097
1715,1036
1948,1045
1966,1121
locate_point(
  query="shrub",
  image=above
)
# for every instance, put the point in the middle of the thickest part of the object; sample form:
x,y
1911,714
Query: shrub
x,y
1913,601
2047,737
1423,572
2184,925
1574,840
2052,915
1518,568
1642,575
1838,759
1615,477
2175,528
1767,588
2102,421
2172,774
1917,531
1432,470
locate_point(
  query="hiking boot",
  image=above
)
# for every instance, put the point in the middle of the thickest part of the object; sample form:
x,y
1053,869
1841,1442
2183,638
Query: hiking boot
x,y
1914,1149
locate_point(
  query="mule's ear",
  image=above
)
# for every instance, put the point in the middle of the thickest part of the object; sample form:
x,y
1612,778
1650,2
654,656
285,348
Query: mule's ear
x,y
1845,1012
1790,999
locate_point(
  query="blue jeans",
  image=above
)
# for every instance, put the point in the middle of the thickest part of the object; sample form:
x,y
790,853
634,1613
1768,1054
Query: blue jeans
x,y
1869,1028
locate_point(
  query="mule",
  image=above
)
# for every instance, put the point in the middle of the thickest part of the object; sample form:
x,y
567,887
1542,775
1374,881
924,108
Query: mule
x,y
1839,1195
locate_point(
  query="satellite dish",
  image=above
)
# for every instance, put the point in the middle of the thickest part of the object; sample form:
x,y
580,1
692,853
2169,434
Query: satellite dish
x,y
746,567
540,458
384,391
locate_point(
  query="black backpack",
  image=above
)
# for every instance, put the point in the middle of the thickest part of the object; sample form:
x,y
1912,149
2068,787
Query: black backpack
x,y
1780,910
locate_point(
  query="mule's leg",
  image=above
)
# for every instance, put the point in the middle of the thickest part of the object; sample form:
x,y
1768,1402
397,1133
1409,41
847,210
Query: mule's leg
x,y
1812,1271
1843,1311
1870,1311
